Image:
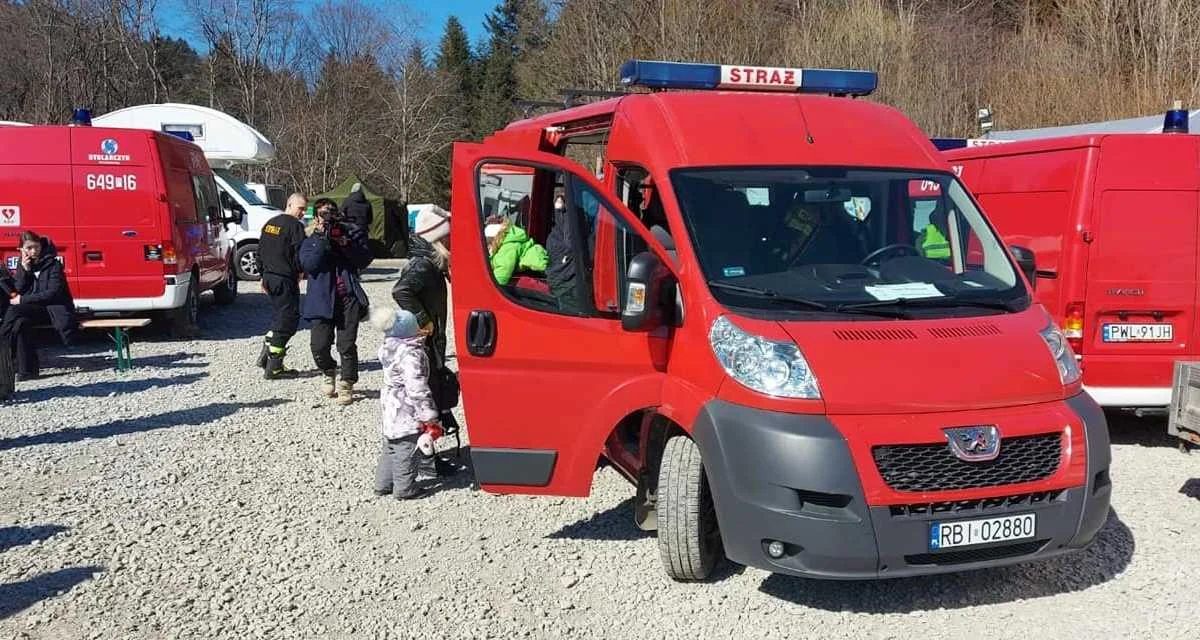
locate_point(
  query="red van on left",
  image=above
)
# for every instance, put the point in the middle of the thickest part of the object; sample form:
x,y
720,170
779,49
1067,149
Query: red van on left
x,y
134,214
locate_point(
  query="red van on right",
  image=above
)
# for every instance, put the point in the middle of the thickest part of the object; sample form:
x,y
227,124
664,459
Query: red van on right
x,y
1113,221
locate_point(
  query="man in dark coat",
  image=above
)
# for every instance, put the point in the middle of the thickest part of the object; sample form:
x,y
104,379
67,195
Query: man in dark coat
x,y
279,264
42,296
356,210
334,302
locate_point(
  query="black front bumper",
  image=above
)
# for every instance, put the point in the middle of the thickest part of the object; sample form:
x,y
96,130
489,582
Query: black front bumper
x,y
790,478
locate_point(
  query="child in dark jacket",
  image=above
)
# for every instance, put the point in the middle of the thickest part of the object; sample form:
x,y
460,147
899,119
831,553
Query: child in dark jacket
x,y
410,416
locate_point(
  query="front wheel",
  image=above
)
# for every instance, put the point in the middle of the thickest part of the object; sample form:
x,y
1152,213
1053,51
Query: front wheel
x,y
245,260
689,540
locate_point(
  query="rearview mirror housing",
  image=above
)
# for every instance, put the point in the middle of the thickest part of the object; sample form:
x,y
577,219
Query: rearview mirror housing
x,y
1027,262
648,299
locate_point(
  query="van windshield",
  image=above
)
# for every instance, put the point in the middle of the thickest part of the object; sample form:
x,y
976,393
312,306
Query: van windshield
x,y
839,240
240,187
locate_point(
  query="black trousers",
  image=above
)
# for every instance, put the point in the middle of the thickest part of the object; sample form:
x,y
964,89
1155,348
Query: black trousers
x,y
346,315
284,293
16,330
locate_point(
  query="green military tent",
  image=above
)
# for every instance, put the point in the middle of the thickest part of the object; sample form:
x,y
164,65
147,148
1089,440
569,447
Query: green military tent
x,y
389,219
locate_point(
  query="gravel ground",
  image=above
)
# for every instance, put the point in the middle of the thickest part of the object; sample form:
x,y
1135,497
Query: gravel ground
x,y
190,499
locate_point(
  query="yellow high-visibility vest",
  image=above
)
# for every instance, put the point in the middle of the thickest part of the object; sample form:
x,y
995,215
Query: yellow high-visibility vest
x,y
935,245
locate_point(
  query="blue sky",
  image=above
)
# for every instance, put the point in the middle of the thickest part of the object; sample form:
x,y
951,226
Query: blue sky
x,y
430,17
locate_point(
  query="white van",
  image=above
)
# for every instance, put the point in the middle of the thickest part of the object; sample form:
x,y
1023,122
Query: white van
x,y
227,142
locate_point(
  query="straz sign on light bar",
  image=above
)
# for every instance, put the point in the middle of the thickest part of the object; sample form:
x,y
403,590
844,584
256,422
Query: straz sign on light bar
x,y
736,76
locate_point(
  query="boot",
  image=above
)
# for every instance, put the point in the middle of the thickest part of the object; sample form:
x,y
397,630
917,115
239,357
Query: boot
x,y
274,370
328,384
262,355
345,393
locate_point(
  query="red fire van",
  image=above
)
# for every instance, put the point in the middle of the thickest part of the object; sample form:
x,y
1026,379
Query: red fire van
x,y
750,317
134,214
1113,221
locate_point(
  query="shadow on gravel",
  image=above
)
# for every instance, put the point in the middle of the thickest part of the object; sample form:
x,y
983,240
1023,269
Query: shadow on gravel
x,y
12,537
612,524
1124,428
19,596
78,361
98,389
1099,563
183,417
1191,489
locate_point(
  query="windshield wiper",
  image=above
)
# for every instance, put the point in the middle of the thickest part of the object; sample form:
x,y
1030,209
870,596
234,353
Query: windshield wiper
x,y
926,302
768,294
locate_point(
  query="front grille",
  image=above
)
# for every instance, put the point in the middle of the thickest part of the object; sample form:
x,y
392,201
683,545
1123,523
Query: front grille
x,y
933,467
988,506
977,555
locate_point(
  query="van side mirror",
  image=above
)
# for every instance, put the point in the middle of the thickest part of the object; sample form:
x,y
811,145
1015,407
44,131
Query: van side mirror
x,y
234,214
1027,262
648,295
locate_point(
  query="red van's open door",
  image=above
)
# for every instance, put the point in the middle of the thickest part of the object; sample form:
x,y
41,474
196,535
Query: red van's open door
x,y
35,192
542,388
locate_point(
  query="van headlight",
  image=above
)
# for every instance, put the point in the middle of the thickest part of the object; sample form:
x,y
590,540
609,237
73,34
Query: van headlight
x,y
1068,367
766,366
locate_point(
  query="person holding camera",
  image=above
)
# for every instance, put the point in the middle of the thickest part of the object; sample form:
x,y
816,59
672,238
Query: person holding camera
x,y
335,301
279,264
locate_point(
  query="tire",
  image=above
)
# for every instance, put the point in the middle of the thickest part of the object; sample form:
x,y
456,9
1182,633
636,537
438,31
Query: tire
x,y
183,321
8,373
689,539
226,293
245,262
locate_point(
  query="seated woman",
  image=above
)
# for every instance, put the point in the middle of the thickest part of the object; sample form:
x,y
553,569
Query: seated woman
x,y
41,297
513,251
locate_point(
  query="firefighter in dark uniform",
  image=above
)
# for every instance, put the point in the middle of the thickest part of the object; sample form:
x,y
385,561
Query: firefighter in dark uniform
x,y
279,264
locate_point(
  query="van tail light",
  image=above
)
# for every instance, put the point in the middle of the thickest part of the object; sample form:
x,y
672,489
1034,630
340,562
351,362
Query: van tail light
x,y
1073,325
169,259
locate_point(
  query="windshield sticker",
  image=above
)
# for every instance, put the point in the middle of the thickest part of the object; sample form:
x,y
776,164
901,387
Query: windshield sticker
x,y
733,272
858,207
909,290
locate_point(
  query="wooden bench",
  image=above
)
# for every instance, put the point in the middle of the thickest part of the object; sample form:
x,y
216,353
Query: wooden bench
x,y
118,331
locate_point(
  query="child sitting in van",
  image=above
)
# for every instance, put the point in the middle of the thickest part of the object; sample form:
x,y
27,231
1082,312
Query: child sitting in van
x,y
512,250
410,416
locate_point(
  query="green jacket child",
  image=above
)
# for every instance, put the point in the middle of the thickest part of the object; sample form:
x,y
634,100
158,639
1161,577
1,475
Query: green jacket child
x,y
512,250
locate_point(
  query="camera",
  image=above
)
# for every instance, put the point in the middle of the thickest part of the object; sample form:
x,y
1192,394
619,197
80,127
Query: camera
x,y
331,219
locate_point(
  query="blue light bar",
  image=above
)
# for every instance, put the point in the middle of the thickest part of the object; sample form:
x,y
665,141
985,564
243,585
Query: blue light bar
x,y
688,75
946,144
1175,121
81,117
186,135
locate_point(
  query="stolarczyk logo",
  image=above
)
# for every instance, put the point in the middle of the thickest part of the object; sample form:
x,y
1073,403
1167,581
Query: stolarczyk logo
x,y
974,444
108,152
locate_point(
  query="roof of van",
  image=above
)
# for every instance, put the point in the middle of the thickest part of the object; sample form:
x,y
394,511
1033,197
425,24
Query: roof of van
x,y
1143,124
1041,145
225,140
63,144
720,128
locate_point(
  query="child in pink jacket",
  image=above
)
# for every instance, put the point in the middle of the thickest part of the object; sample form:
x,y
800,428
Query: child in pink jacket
x,y
409,415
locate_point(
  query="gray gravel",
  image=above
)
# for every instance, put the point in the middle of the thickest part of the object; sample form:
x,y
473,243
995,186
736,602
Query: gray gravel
x,y
190,499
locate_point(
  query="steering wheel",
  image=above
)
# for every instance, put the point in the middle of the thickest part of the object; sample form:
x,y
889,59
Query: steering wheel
x,y
899,247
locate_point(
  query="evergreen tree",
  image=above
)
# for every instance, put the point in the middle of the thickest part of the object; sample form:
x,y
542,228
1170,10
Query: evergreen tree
x,y
498,78
455,62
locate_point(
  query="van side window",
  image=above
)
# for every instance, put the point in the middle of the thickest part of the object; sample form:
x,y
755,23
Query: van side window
x,y
611,245
207,204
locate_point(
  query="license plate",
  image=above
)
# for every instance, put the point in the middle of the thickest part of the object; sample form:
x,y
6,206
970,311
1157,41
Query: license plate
x,y
1139,332
945,535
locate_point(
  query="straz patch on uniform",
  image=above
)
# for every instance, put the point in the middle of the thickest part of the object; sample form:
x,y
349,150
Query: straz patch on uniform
x,y
271,229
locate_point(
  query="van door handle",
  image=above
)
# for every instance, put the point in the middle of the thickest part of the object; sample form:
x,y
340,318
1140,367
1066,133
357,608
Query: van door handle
x,y
93,256
129,234
481,333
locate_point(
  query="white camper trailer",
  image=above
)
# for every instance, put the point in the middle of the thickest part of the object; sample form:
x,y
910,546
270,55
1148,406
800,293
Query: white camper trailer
x,y
227,142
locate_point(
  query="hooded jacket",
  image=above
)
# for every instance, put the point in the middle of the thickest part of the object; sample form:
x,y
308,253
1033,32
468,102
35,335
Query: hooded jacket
x,y
513,250
421,290
323,264
406,398
357,210
45,284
